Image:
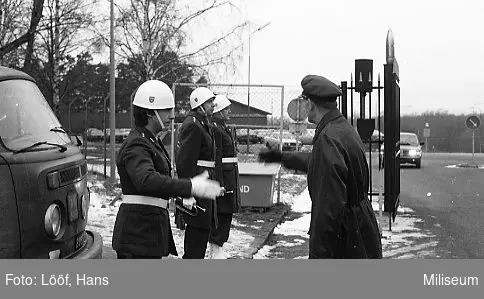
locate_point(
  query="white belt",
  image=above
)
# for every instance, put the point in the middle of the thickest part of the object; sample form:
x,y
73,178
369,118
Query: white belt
x,y
204,163
145,200
230,160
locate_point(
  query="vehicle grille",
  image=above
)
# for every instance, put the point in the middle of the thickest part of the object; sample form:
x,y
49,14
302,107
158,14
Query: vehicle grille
x,y
72,174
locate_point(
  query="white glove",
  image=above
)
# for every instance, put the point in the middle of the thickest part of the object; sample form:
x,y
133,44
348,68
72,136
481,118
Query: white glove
x,y
205,188
189,202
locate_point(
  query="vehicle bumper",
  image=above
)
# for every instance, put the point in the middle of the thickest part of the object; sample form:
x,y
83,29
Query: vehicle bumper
x,y
411,160
93,249
289,148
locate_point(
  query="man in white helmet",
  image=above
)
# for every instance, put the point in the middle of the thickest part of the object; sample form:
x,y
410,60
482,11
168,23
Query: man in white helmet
x,y
142,228
196,154
227,172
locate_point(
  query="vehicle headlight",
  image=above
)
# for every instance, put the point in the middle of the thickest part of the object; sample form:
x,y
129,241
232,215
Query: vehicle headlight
x,y
53,220
85,202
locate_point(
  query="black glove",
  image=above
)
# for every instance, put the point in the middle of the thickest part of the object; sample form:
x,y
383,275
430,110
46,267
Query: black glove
x,y
270,156
179,221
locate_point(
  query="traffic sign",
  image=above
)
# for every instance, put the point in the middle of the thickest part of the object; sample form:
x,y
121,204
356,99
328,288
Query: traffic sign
x,y
426,132
473,122
298,109
298,128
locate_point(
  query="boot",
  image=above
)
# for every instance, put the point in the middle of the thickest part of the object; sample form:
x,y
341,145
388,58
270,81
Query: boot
x,y
218,252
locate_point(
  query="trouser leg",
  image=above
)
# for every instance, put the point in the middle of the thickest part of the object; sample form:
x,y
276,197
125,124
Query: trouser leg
x,y
195,242
220,235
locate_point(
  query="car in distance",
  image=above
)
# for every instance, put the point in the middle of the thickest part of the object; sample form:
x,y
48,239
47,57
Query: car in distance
x,y
44,198
289,141
410,149
252,139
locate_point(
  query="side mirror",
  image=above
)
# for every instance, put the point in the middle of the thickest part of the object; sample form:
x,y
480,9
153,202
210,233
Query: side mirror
x,y
75,139
422,143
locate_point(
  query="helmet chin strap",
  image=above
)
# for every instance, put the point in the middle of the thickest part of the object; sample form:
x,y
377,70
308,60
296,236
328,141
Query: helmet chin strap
x,y
163,128
203,110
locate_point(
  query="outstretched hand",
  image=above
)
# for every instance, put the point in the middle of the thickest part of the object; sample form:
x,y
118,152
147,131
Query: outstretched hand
x,y
270,156
203,187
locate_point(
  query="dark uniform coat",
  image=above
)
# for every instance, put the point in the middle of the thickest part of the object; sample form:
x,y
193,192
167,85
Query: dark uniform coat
x,y
343,223
144,169
227,173
196,142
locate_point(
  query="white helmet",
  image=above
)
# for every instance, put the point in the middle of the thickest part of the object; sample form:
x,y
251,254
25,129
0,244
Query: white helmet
x,y
199,96
153,95
221,102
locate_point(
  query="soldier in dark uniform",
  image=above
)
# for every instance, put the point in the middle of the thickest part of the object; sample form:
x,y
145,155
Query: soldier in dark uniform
x,y
142,228
227,174
196,154
343,223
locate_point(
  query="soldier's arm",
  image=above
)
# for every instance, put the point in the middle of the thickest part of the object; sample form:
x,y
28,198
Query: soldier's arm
x,y
298,161
147,181
218,154
188,151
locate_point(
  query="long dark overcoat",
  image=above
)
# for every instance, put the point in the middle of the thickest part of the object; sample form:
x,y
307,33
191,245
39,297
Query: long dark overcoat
x,y
196,142
144,168
343,223
227,173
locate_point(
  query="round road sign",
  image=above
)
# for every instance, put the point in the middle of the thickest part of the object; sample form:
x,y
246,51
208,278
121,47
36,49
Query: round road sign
x,y
473,122
298,109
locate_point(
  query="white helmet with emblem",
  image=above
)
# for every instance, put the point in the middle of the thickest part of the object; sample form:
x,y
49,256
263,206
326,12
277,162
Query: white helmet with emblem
x,y
199,96
154,95
221,102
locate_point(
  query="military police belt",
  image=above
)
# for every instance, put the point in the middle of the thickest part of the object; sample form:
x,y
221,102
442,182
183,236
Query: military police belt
x,y
230,160
145,200
203,163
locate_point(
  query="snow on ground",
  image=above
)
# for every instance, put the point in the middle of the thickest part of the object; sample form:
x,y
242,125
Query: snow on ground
x,y
404,241
298,226
102,216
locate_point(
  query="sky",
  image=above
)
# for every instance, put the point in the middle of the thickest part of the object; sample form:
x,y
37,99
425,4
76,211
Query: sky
x,y
438,46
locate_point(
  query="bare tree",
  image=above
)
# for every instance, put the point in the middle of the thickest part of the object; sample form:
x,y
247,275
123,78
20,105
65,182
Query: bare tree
x,y
12,17
155,28
63,33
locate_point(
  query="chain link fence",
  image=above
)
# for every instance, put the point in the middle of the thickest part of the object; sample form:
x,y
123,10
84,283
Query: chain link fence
x,y
256,115
259,119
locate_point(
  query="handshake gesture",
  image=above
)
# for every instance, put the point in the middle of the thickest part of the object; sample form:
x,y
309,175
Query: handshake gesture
x,y
203,187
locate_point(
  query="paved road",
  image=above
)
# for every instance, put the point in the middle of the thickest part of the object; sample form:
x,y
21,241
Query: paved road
x,y
456,202
449,200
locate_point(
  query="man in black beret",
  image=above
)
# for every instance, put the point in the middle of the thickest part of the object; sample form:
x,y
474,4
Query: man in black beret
x,y
343,223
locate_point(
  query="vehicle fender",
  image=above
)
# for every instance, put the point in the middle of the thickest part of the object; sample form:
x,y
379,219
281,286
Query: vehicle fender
x,y
9,223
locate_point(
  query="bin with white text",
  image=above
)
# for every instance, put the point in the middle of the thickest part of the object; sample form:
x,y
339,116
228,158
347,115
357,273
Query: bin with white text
x,y
257,184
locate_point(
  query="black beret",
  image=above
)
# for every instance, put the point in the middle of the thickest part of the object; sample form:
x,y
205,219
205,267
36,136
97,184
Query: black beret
x,y
319,88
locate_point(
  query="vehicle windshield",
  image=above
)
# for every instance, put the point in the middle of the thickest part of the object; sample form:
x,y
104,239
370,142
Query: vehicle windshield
x,y
408,139
26,117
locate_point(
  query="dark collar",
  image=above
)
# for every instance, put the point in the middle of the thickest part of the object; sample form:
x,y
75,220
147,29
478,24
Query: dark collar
x,y
201,117
328,117
218,121
146,133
